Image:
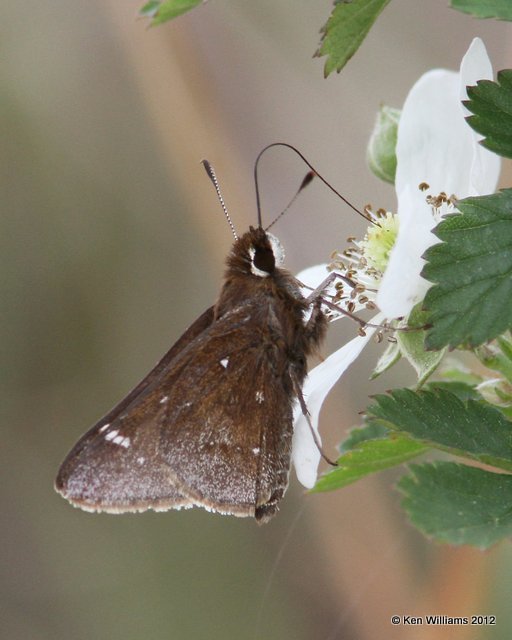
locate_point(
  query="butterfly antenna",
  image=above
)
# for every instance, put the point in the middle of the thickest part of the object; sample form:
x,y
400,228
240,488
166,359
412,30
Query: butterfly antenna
x,y
307,180
315,172
211,174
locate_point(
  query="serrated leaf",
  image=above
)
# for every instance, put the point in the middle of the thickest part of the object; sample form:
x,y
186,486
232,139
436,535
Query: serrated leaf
x,y
346,28
471,301
370,431
460,389
369,457
161,11
412,347
491,104
499,9
458,504
439,419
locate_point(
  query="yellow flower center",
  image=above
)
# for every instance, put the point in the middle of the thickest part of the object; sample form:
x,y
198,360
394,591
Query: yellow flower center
x,y
379,240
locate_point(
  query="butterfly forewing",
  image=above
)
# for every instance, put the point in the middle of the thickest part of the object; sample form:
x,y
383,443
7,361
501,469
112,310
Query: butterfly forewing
x,y
122,478
184,440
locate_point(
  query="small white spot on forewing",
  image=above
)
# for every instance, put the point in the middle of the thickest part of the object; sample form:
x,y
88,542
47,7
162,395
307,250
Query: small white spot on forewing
x,y
111,435
125,443
104,427
256,450
224,362
118,439
260,397
141,460
164,399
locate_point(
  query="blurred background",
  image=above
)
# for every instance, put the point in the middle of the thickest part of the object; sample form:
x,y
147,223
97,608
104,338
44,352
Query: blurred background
x,y
113,242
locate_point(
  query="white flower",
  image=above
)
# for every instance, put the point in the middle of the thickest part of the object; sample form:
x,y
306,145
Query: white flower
x,y
436,147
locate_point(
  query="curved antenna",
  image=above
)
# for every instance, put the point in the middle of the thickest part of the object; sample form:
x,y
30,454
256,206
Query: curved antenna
x,y
301,156
306,180
211,174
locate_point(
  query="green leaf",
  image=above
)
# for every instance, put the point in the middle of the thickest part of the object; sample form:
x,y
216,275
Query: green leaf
x,y
163,10
458,504
491,104
370,456
346,28
458,373
149,9
390,356
462,390
495,358
439,419
412,346
499,9
370,431
381,152
471,301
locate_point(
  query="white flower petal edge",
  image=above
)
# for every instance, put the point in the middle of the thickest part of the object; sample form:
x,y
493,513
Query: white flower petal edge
x,y
434,145
305,454
486,166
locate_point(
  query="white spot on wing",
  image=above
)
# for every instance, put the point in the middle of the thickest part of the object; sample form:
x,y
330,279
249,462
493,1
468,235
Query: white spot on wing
x,y
105,426
117,438
259,397
256,450
224,362
141,460
164,400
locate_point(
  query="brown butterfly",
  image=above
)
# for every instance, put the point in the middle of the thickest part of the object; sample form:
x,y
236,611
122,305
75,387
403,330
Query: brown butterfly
x,y
211,425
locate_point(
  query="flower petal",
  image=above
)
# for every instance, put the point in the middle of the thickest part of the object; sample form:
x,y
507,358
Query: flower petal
x,y
312,277
401,286
435,145
486,165
305,454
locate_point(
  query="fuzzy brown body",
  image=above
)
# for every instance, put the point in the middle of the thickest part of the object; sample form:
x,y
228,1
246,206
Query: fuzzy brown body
x,y
211,425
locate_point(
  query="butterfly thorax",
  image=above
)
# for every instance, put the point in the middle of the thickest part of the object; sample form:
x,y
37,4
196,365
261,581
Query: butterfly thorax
x,y
276,309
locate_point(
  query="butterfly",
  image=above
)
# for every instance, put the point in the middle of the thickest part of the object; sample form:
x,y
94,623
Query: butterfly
x,y
211,425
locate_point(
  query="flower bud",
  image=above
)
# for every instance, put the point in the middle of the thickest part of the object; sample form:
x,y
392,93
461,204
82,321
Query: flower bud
x,y
380,155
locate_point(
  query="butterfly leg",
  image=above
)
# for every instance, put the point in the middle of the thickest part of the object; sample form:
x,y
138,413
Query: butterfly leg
x,y
316,326
314,434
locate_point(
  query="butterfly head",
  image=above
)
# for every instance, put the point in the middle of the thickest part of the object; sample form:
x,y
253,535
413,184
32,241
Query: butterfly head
x,y
257,252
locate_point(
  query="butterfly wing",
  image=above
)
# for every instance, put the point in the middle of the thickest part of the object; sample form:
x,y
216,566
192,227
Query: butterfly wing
x,y
193,433
99,478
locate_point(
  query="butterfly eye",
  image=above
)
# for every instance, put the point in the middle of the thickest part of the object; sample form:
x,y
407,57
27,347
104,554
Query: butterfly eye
x,y
263,260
